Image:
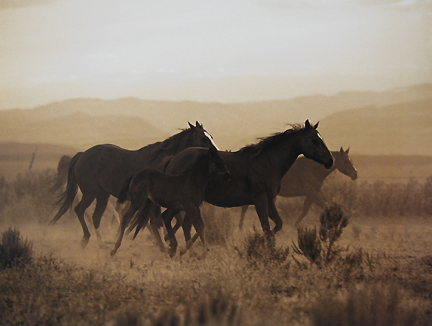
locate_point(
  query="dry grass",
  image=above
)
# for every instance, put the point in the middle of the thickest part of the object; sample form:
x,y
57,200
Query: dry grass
x,y
385,278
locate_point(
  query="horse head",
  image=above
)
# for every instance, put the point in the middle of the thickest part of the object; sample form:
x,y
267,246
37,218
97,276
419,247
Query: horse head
x,y
312,146
199,136
344,164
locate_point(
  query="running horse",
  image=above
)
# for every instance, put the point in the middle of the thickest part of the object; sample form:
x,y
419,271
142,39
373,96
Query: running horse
x,y
256,172
102,170
306,177
59,184
175,192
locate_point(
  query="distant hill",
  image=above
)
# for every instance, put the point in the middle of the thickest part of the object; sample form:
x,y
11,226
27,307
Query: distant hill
x,y
347,119
77,129
404,128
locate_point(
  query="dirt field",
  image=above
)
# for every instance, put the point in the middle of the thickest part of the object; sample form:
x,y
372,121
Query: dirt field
x,y
140,285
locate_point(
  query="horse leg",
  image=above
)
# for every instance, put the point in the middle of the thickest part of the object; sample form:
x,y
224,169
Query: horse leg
x,y
179,223
306,205
101,204
156,223
261,207
124,223
242,215
274,215
80,209
194,214
167,217
187,227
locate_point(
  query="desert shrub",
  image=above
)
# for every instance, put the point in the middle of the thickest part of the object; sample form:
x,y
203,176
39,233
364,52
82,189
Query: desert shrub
x,y
218,224
258,249
309,244
14,251
372,305
332,220
322,248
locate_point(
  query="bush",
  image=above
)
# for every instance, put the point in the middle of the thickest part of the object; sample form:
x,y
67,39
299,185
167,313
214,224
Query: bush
x,y
13,250
322,249
258,248
332,222
309,244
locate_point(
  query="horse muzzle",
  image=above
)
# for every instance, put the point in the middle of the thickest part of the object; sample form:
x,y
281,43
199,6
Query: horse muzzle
x,y
329,163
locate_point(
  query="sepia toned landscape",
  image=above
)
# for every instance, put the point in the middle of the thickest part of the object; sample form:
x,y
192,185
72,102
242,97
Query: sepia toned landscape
x,y
379,273
295,136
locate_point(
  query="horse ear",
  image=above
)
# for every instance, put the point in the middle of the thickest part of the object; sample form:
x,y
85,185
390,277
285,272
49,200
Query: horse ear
x,y
307,124
191,125
342,150
347,151
198,124
316,125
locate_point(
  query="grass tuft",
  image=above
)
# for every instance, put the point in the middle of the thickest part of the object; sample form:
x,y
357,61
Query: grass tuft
x,y
14,251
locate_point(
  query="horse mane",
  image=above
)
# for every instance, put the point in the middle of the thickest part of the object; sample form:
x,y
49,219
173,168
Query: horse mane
x,y
173,140
161,147
266,142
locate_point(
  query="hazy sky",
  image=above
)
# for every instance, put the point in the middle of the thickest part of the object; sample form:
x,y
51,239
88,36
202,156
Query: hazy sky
x,y
226,50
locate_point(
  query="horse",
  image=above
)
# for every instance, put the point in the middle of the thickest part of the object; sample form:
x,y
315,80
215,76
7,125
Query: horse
x,y
256,171
306,177
59,183
101,171
176,192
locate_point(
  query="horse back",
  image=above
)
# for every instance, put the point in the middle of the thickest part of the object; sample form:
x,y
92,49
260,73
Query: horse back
x,y
107,167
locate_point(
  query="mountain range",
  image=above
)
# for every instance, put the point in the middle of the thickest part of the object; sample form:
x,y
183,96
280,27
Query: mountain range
x,y
397,121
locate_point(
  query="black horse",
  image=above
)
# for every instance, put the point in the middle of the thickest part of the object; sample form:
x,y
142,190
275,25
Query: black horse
x,y
306,177
102,170
256,171
176,192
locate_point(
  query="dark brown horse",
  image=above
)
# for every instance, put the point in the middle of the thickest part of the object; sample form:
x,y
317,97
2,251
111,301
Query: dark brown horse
x,y
59,184
256,171
176,192
306,177
102,170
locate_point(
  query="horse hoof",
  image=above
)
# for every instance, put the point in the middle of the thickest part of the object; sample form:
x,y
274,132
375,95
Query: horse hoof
x,y
112,253
83,243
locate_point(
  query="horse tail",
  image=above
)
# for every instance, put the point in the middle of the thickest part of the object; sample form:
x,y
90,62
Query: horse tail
x,y
62,173
124,191
67,198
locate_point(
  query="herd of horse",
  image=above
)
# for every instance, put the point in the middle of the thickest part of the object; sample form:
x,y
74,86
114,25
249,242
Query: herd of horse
x,y
181,172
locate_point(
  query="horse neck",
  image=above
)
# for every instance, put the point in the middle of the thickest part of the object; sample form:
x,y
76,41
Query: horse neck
x,y
156,152
281,156
199,173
